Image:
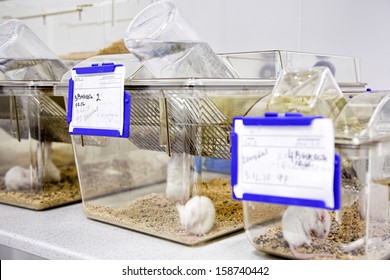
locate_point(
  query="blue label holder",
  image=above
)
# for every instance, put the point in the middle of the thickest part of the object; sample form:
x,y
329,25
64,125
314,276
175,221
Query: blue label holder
x,y
95,69
289,119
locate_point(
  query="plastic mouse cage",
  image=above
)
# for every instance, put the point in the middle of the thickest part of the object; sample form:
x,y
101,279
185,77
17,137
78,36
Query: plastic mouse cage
x,y
37,162
124,181
37,167
177,128
360,229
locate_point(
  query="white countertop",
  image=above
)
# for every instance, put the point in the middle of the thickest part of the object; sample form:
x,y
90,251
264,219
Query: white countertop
x,y
66,233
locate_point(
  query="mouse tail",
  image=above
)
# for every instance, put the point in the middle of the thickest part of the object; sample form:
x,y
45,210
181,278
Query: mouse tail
x,y
352,246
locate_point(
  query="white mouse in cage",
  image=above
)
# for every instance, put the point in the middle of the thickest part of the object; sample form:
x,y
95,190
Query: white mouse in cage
x,y
12,152
300,223
197,215
52,173
19,178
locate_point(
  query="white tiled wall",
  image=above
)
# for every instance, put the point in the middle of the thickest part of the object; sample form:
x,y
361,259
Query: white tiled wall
x,y
342,27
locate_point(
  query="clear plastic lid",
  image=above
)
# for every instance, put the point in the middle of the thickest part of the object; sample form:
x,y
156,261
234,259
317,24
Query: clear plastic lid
x,y
23,56
268,64
366,117
132,64
311,91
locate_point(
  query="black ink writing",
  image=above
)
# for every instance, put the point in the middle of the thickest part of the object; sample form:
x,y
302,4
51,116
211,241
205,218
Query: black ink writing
x,y
282,178
304,159
258,177
79,104
78,96
258,155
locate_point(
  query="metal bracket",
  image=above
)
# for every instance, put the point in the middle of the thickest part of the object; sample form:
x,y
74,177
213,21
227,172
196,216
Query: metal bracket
x,y
14,112
164,127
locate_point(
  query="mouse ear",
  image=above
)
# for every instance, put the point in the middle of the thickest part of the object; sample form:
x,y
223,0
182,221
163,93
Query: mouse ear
x,y
321,215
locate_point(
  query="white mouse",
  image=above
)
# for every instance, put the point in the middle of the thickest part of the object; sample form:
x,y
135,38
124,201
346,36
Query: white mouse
x,y
18,179
300,223
52,173
178,187
197,215
13,152
360,243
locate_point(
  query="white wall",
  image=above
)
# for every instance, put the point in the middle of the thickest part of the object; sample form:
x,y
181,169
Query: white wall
x,y
64,33
357,28
341,27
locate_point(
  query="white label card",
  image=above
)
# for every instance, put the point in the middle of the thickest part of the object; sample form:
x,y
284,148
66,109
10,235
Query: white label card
x,y
98,100
286,161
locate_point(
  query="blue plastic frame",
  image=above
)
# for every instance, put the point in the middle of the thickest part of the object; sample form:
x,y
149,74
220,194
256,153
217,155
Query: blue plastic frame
x,y
273,119
95,68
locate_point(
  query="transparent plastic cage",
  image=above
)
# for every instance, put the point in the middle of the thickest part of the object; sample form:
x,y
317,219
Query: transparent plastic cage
x,y
269,64
167,117
37,167
179,148
125,181
307,91
360,229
